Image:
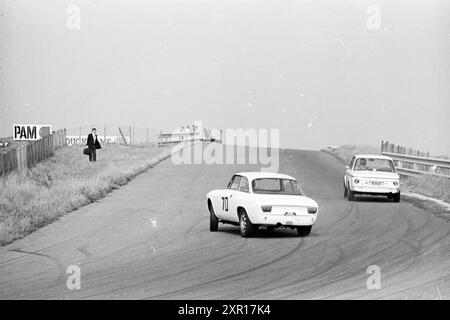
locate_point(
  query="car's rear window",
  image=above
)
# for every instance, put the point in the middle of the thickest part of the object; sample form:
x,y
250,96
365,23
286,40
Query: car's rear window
x,y
374,164
276,186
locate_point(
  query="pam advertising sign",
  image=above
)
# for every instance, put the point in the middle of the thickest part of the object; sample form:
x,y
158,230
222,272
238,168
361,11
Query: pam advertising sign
x,y
27,132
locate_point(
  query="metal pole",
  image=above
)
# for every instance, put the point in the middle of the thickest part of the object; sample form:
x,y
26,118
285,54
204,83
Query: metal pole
x,y
124,140
129,134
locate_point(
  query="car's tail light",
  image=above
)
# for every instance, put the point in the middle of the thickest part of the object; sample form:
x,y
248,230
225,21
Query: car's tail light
x,y
356,181
312,210
266,208
395,183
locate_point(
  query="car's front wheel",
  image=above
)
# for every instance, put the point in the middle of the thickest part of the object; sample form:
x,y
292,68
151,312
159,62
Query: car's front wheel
x,y
350,194
304,230
396,197
345,191
213,221
246,228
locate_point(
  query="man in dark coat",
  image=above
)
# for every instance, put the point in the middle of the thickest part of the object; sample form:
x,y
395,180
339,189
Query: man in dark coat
x,y
93,144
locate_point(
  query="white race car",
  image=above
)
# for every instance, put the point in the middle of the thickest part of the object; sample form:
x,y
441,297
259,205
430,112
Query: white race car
x,y
373,175
261,199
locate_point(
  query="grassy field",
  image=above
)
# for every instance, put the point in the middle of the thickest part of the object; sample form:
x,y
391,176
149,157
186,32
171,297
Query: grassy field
x,y
65,182
435,187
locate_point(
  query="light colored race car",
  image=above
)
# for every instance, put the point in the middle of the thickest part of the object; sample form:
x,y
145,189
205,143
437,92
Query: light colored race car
x,y
371,175
261,199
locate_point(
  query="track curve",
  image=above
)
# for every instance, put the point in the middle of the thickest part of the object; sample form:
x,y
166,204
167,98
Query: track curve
x,y
150,240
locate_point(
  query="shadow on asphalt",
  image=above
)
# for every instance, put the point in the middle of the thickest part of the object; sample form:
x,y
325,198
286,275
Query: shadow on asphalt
x,y
371,199
267,234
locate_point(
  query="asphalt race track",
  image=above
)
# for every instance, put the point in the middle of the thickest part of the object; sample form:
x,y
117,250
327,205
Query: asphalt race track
x,y
151,240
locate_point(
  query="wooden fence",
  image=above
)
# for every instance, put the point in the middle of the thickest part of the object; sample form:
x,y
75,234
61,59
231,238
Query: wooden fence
x,y
27,154
8,161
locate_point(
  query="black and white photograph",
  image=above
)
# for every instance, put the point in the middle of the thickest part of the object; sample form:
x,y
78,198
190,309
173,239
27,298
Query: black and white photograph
x,y
225,155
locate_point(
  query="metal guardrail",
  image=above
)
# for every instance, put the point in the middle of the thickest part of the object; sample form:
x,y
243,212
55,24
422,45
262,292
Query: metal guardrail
x,y
410,162
410,165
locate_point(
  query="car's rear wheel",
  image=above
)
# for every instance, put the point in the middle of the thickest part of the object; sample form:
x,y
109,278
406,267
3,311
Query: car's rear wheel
x,y
246,228
304,230
213,221
396,197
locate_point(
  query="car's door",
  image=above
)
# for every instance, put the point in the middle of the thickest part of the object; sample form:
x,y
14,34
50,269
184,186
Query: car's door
x,y
217,200
227,197
238,197
348,170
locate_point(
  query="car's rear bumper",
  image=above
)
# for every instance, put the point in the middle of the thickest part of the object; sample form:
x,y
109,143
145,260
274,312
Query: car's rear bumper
x,y
285,221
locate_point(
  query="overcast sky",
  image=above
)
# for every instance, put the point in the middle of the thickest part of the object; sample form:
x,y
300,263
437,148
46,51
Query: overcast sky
x,y
317,70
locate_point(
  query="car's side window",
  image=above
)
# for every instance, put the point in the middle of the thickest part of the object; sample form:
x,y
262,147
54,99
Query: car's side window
x,y
351,163
231,182
235,183
243,186
296,188
287,186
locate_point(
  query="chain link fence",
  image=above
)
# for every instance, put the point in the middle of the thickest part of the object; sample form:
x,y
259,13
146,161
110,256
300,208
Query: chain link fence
x,y
114,134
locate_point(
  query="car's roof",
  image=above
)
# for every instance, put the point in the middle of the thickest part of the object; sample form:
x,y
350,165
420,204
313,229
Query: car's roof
x,y
260,175
373,156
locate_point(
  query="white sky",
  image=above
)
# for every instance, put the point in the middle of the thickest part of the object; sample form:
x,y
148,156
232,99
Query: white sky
x,y
312,69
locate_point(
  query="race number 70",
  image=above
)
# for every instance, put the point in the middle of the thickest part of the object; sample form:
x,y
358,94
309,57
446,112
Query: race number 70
x,y
225,203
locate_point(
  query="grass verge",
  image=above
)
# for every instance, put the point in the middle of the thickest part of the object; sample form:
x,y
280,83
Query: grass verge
x,y
346,152
66,182
431,186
